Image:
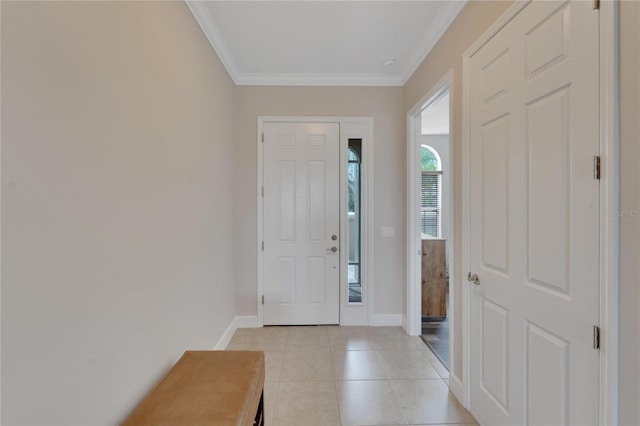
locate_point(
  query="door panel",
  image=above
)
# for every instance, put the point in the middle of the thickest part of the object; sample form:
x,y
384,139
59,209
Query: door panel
x,y
534,225
316,267
494,76
495,194
547,371
286,280
495,358
301,213
548,174
548,42
316,181
287,205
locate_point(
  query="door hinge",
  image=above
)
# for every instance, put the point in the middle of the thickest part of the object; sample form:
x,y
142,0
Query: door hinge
x,y
263,299
596,167
262,137
596,337
596,4
263,246
262,191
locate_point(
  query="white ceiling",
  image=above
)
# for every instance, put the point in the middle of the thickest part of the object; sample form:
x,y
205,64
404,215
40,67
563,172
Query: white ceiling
x,y
323,42
435,117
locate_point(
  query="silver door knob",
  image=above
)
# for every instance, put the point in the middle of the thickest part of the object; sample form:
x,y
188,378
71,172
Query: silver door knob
x,y
473,278
333,249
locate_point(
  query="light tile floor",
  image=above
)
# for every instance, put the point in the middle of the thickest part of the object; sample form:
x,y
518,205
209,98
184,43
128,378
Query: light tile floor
x,y
331,375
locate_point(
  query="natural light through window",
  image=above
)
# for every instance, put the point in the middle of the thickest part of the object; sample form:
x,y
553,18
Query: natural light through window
x,y
353,178
431,192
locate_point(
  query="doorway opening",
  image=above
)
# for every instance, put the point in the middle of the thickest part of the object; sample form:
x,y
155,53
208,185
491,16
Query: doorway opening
x,y
430,222
434,225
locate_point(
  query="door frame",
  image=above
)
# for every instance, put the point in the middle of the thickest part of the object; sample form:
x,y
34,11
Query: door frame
x,y
609,201
413,265
350,128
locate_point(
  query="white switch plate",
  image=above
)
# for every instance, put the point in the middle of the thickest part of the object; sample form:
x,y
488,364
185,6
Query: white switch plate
x,y
387,231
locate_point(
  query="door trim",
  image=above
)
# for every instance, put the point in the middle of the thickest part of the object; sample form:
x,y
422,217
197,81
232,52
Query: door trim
x,y
609,200
350,127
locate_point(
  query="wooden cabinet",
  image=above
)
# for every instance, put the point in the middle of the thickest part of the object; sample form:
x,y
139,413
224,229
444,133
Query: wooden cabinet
x,y
434,278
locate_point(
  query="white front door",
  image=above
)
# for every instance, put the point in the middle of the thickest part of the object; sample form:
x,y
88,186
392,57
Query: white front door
x,y
301,223
534,210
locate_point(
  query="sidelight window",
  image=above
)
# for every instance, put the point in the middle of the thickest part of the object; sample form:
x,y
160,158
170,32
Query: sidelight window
x,y
354,220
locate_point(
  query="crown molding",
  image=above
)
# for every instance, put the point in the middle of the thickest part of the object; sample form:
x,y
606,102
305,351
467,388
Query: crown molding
x,y
437,28
205,19
292,79
207,23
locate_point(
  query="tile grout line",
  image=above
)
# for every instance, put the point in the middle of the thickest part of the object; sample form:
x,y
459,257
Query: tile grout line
x,y
335,384
395,395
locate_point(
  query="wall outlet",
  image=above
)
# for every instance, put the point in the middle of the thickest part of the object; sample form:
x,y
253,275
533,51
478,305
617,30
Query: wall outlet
x,y
387,231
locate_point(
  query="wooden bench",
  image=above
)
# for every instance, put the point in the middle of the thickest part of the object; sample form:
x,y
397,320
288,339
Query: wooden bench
x,y
207,388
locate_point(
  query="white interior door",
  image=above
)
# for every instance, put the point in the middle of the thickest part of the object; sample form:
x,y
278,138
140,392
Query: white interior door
x,y
301,223
534,229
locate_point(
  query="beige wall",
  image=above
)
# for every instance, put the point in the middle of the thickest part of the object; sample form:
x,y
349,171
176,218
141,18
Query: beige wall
x,y
384,104
474,20
629,390
116,204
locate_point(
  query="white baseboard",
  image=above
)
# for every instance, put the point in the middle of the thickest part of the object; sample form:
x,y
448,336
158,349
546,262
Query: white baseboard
x,y
226,336
246,321
240,321
404,323
382,320
455,384
251,321
354,323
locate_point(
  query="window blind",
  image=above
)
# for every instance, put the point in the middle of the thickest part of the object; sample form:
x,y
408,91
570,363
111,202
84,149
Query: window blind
x,y
430,210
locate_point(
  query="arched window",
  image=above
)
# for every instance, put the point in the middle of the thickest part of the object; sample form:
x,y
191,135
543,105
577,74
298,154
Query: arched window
x,y
430,159
431,192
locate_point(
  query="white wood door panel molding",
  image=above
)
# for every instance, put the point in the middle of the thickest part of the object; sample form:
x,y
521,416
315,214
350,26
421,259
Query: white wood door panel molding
x,y
301,216
533,212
